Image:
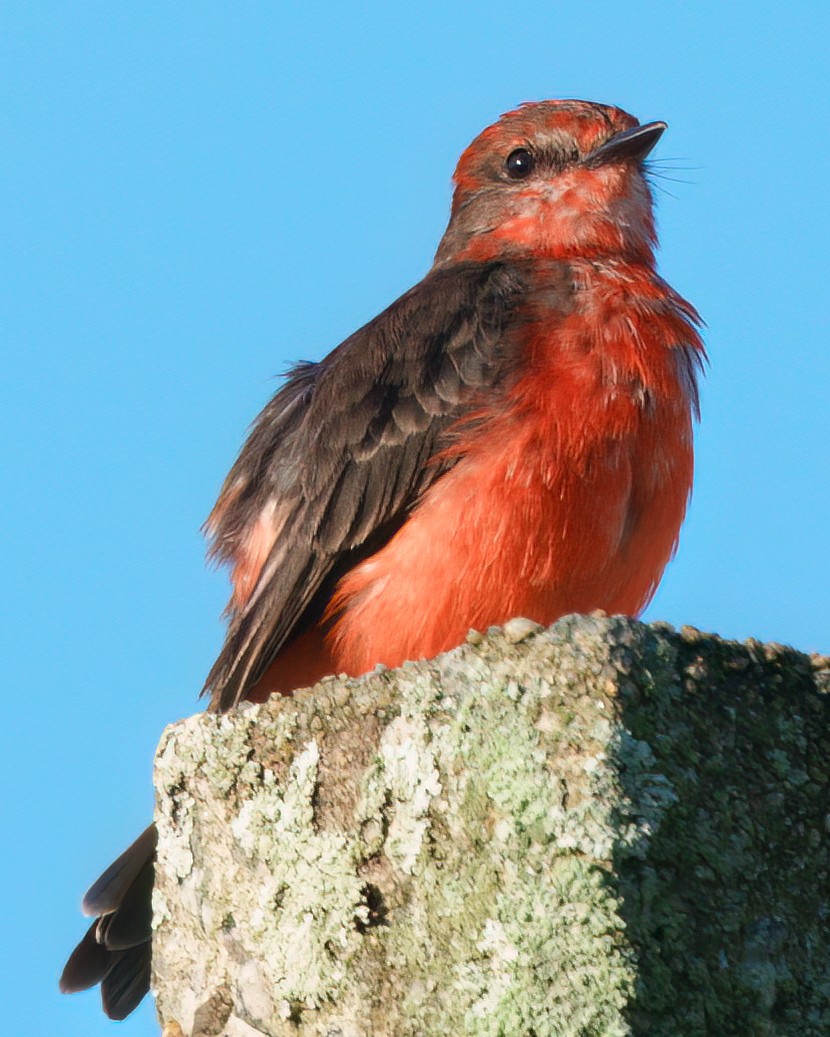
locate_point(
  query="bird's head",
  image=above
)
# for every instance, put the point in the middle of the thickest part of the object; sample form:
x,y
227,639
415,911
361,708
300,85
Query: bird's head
x,y
554,178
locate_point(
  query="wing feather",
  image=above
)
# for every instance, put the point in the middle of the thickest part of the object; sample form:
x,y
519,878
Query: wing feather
x,y
346,447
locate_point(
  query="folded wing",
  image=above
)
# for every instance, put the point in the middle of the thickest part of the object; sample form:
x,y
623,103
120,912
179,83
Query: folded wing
x,y
340,455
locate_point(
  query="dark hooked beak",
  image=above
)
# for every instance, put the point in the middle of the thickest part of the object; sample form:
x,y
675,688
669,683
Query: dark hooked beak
x,y
628,146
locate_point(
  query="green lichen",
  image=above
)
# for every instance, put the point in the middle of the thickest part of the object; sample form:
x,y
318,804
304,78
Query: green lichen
x,y
600,829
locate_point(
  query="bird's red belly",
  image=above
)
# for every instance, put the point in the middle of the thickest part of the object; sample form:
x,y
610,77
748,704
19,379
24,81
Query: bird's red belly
x,y
525,524
511,532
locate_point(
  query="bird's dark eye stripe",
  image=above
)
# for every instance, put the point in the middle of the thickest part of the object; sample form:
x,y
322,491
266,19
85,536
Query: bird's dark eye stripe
x,y
519,163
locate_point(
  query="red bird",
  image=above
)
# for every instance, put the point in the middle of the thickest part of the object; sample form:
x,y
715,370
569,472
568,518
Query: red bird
x,y
513,436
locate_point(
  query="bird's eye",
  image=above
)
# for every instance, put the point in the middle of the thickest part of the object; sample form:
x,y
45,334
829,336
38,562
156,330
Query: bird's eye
x,y
519,164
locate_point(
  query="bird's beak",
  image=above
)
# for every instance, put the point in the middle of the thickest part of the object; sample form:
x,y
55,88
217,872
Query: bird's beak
x,y
629,146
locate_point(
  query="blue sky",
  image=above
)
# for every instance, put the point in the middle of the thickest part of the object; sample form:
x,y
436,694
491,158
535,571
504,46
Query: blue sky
x,y
196,194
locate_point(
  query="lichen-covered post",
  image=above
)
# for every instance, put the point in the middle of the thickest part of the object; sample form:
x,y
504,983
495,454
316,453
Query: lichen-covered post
x,y
599,829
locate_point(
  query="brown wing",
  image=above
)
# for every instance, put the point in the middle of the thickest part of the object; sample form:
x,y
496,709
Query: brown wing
x,y
339,456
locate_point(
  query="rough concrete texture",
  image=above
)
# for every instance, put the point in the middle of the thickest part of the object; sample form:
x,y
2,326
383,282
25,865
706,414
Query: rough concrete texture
x,y
604,828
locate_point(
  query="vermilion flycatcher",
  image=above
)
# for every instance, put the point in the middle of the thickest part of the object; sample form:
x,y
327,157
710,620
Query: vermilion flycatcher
x,y
513,436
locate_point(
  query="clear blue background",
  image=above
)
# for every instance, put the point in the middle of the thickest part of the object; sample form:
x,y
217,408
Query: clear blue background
x,y
194,194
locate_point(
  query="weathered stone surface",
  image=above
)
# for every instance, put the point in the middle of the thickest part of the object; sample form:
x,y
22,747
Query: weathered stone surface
x,y
603,828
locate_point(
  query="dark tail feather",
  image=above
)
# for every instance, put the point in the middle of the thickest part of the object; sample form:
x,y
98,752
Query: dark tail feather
x,y
127,982
106,894
131,923
87,965
115,951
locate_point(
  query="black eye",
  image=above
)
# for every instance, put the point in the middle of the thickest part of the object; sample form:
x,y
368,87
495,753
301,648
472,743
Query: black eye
x,y
519,164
